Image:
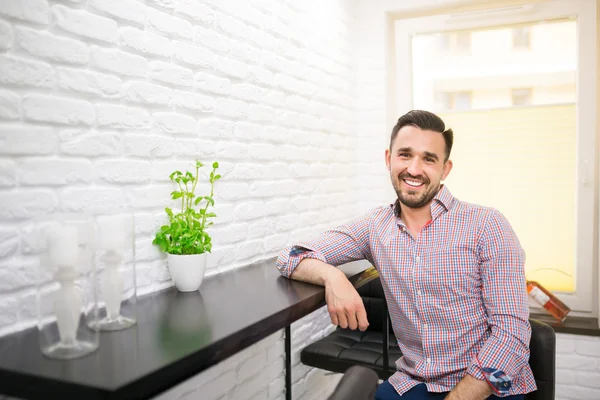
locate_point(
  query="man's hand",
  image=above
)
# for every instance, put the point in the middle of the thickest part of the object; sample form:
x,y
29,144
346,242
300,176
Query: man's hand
x,y
344,304
470,388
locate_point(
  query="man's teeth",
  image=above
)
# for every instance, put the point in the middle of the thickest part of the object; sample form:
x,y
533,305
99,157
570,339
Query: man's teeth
x,y
413,183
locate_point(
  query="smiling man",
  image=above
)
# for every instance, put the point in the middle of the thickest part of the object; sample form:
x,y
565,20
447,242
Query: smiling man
x,y
452,272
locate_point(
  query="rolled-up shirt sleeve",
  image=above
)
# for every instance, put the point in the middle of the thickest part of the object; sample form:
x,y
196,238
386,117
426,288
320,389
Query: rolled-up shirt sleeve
x,y
506,352
346,243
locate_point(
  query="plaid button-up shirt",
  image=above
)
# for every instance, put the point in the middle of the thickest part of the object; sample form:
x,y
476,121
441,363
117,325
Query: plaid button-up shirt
x,y
456,293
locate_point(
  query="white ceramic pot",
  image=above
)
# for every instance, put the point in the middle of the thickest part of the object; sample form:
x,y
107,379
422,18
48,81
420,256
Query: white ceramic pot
x,y
187,271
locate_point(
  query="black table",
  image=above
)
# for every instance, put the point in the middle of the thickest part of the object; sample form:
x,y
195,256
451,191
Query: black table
x,y
178,335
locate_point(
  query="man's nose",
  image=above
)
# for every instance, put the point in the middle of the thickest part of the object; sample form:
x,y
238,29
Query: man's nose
x,y
414,167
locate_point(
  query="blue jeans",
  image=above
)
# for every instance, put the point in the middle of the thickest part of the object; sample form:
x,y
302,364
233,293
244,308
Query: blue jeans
x,y
386,391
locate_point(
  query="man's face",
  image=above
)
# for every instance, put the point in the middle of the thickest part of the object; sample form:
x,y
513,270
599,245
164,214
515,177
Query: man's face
x,y
416,165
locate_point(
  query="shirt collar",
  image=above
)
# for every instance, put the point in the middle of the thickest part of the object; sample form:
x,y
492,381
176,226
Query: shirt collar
x,y
441,203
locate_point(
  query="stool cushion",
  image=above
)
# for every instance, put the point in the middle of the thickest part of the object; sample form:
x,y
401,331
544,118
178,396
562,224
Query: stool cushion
x,y
344,348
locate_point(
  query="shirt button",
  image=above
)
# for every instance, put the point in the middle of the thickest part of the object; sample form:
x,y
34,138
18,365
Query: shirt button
x,y
417,259
428,360
424,326
419,292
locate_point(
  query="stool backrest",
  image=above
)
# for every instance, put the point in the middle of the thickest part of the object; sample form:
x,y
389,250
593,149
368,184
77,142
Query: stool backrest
x,y
542,360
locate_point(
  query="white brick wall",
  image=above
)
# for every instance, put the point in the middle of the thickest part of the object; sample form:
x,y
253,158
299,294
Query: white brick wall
x,y
101,99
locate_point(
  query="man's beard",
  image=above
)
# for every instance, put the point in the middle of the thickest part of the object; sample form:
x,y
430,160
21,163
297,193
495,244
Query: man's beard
x,y
408,198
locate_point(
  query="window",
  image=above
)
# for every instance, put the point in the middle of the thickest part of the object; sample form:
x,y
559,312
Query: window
x,y
527,138
521,37
454,101
455,42
521,97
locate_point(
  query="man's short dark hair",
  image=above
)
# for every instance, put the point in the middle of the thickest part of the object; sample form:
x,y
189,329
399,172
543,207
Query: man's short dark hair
x,y
426,121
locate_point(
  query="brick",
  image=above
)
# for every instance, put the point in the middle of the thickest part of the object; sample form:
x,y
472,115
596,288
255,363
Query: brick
x,y
26,10
154,196
288,83
8,307
232,27
164,3
274,98
8,176
175,124
120,117
231,191
195,10
576,362
248,131
234,233
26,140
169,25
44,171
200,148
249,367
51,47
93,200
257,112
27,306
144,42
60,110
9,105
248,92
210,83
81,142
89,82
249,210
85,24
25,203
117,61
6,36
147,93
169,73
128,10
214,127
262,151
231,108
193,55
161,170
589,347
576,392
589,380
260,75
211,39
231,67
148,146
193,101
9,242
124,171
20,72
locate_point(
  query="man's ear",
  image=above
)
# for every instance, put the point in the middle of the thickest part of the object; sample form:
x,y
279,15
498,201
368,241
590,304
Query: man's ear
x,y
388,161
447,169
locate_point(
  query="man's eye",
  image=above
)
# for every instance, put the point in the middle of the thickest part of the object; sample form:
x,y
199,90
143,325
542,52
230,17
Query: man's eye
x,y
429,159
404,155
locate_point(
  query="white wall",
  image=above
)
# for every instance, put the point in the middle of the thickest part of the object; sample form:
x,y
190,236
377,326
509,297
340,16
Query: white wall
x,y
101,99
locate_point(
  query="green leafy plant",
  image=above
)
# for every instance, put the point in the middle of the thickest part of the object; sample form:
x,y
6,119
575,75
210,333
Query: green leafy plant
x,y
186,231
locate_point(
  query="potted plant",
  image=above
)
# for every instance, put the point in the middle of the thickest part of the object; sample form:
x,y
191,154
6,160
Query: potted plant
x,y
184,238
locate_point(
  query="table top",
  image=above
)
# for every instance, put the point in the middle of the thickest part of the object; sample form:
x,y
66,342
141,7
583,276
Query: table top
x,y
178,335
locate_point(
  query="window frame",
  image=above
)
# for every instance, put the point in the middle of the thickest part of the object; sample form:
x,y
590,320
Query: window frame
x,y
584,301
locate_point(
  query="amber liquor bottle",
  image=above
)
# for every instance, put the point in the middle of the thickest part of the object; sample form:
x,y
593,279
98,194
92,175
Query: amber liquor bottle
x,y
550,302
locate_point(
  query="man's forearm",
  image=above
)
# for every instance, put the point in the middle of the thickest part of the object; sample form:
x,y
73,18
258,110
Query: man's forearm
x,y
470,388
315,271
